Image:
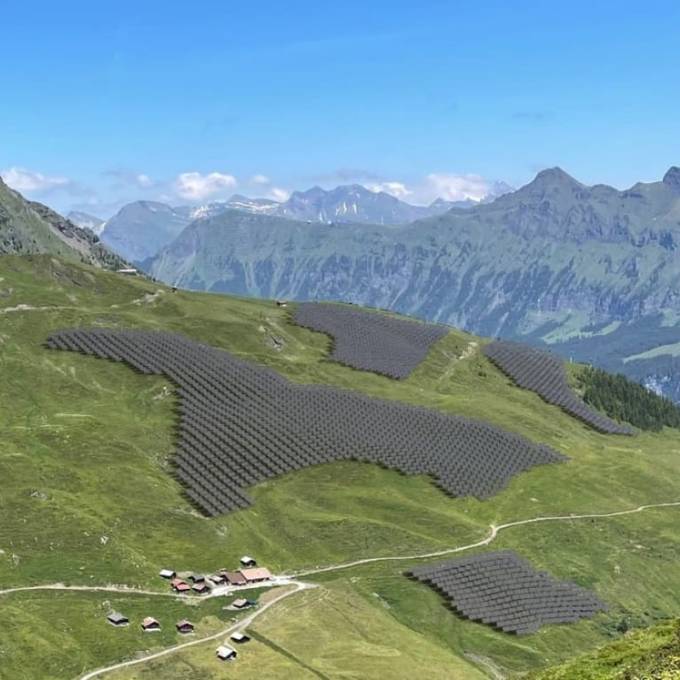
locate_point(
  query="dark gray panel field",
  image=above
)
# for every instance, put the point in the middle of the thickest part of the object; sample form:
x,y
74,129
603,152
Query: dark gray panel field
x,y
370,341
241,423
543,373
503,590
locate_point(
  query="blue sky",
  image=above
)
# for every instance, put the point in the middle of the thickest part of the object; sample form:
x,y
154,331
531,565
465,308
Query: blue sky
x,y
101,103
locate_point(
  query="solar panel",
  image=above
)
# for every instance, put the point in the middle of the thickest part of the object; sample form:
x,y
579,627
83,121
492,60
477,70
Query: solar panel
x,y
370,341
241,423
543,373
505,591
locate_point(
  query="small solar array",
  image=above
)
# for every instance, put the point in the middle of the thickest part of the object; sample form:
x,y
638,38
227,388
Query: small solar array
x,y
543,373
503,590
241,424
370,341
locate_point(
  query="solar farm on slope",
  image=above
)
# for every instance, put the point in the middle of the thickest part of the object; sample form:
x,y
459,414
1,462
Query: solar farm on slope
x,y
370,341
242,424
505,591
544,373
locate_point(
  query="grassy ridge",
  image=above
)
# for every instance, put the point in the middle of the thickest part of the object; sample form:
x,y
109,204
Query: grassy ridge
x,y
86,497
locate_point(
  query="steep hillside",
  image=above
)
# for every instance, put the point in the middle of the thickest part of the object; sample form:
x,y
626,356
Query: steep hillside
x,y
87,221
139,230
89,498
590,270
27,227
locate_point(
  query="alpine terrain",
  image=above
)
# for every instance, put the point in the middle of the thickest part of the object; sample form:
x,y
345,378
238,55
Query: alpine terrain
x,y
589,270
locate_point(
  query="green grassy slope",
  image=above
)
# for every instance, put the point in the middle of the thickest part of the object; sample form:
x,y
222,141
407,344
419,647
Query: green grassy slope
x,y
86,499
653,653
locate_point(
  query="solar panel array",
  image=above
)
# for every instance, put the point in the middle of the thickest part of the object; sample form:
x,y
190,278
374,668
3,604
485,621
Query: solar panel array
x,y
543,373
241,423
503,590
370,341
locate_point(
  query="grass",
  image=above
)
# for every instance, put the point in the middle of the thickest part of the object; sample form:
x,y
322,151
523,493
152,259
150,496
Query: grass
x,y
86,498
653,653
59,635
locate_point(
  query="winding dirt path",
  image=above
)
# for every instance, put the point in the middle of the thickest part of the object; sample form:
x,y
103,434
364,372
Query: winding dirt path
x,y
494,530
243,623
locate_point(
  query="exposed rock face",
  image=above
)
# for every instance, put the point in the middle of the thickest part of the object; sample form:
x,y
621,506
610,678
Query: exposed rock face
x,y
29,228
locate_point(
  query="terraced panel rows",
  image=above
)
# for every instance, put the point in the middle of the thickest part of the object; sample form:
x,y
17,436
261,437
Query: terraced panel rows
x,y
543,373
241,424
503,590
370,341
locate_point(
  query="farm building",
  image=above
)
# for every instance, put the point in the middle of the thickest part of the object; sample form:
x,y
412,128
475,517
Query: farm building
x,y
217,579
256,574
166,573
241,603
196,578
226,653
201,587
180,586
234,578
117,619
184,626
239,638
247,561
150,624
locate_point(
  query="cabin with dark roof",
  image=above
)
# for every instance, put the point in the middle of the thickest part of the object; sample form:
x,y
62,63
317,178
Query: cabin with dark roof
x,y
117,619
150,624
184,627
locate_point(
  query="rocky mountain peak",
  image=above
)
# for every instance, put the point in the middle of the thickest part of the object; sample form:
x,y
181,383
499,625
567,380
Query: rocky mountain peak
x,y
672,178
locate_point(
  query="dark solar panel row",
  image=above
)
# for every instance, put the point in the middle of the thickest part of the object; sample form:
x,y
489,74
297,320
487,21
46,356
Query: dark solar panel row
x,y
543,373
503,590
240,424
370,341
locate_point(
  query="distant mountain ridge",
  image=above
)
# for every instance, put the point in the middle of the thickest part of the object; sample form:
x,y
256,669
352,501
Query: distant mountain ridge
x,y
30,228
87,221
590,270
140,229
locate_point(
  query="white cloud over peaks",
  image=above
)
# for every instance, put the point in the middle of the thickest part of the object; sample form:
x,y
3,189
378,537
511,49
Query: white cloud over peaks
x,y
195,186
278,194
21,179
260,179
396,189
455,187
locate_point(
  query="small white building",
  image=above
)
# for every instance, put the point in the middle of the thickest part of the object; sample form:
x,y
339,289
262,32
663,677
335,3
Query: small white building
x,y
248,561
167,573
226,653
239,638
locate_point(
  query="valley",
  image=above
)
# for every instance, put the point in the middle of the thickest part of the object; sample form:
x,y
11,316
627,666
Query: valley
x,y
86,455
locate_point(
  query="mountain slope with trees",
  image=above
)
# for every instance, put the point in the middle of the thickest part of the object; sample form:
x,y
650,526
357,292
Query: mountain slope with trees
x,y
589,270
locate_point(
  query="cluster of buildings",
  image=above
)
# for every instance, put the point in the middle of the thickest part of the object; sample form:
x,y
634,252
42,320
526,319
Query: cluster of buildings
x,y
248,574
190,582
149,624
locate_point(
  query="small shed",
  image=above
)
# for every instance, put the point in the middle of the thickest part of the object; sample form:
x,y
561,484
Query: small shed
x,y
167,573
130,271
239,638
201,587
235,578
150,624
240,603
256,574
247,561
217,579
184,627
117,619
226,653
197,578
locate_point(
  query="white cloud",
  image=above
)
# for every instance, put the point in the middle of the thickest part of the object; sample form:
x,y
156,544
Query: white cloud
x,y
396,189
278,194
21,179
260,179
144,181
197,187
455,187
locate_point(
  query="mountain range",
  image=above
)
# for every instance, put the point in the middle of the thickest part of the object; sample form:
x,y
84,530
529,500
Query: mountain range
x,y
589,270
30,228
140,229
